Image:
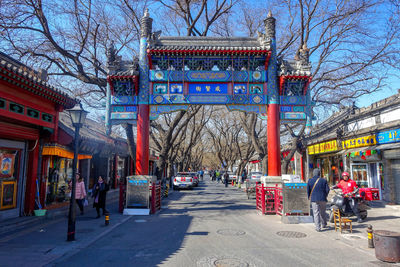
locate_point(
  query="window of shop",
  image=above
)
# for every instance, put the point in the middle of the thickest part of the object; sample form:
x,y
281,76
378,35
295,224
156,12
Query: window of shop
x,y
359,173
9,173
59,175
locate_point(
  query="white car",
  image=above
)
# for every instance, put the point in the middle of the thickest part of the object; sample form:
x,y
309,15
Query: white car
x,y
183,180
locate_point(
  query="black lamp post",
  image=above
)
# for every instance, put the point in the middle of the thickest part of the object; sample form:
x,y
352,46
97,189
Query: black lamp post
x,y
78,116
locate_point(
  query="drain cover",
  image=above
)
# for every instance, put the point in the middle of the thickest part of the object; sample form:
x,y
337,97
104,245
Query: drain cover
x,y
291,234
231,232
230,263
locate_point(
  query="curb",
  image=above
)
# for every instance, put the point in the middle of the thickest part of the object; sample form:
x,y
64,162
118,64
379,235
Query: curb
x,y
78,246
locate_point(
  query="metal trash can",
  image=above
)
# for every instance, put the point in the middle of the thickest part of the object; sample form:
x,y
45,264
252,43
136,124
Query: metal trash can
x,y
387,245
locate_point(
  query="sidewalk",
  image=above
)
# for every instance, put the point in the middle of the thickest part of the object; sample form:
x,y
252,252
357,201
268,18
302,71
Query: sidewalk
x,y
381,218
14,224
43,240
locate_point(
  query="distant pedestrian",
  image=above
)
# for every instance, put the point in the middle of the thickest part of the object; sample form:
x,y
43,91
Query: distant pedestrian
x,y
244,175
80,192
218,176
317,191
99,194
226,179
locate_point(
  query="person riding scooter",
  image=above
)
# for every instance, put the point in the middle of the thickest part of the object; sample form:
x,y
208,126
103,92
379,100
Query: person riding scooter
x,y
349,189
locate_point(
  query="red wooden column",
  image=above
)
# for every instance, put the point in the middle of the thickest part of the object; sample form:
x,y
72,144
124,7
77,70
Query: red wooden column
x,y
274,146
142,144
31,176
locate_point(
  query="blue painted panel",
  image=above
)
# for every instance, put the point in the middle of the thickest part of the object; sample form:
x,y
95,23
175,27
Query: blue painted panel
x,y
117,109
256,89
208,99
239,89
258,99
176,88
247,108
298,109
131,109
205,89
293,116
123,100
295,184
286,108
293,100
123,115
160,88
258,76
158,75
208,76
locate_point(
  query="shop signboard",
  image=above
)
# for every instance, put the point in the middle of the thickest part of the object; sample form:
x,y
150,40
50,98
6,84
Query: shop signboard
x,y
325,147
368,140
388,136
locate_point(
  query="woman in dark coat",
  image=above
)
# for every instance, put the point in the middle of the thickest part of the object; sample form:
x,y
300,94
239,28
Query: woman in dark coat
x,y
99,194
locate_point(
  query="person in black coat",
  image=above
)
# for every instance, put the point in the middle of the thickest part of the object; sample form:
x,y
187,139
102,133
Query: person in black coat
x,y
317,191
99,194
226,179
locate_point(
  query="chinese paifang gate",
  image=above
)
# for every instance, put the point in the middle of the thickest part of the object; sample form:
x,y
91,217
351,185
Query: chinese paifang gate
x,y
172,73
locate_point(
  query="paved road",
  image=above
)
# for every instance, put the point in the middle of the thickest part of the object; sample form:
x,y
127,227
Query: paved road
x,y
214,226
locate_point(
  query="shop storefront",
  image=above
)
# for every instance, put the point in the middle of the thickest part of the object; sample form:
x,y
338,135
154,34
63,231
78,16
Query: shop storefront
x,y
57,162
363,159
29,110
324,156
389,145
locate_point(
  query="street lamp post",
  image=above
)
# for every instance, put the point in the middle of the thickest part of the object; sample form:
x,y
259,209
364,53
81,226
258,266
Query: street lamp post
x,y
78,116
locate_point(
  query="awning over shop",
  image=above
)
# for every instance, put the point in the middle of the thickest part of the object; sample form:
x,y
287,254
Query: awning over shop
x,y
388,146
62,152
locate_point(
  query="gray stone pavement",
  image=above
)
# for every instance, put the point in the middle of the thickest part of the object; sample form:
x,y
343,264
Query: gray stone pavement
x,y
209,226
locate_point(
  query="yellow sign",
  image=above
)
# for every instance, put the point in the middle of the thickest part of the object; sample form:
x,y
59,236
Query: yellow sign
x,y
324,147
368,140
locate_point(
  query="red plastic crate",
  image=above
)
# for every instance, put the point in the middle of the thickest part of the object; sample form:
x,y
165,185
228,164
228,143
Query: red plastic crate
x,y
371,194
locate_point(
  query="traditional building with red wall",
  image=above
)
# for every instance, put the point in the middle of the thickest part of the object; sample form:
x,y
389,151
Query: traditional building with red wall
x,y
29,111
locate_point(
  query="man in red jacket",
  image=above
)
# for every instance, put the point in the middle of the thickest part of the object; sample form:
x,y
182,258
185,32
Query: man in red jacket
x,y
349,189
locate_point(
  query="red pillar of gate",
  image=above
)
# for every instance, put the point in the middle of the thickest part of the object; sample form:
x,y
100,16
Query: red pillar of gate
x,y
142,143
273,135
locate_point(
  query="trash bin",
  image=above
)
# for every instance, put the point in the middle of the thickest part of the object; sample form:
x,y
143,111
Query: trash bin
x,y
387,245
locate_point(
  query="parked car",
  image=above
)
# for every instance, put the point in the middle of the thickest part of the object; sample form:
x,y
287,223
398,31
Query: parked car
x,y
232,177
195,178
183,180
255,176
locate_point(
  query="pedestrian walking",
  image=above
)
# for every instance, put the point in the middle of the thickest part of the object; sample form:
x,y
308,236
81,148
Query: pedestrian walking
x,y
318,190
244,175
80,192
226,179
218,176
99,194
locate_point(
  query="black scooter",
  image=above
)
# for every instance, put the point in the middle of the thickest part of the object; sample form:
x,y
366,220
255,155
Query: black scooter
x,y
338,202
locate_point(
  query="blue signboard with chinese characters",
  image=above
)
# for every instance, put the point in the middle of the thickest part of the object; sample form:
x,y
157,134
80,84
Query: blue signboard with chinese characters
x,y
205,89
391,136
